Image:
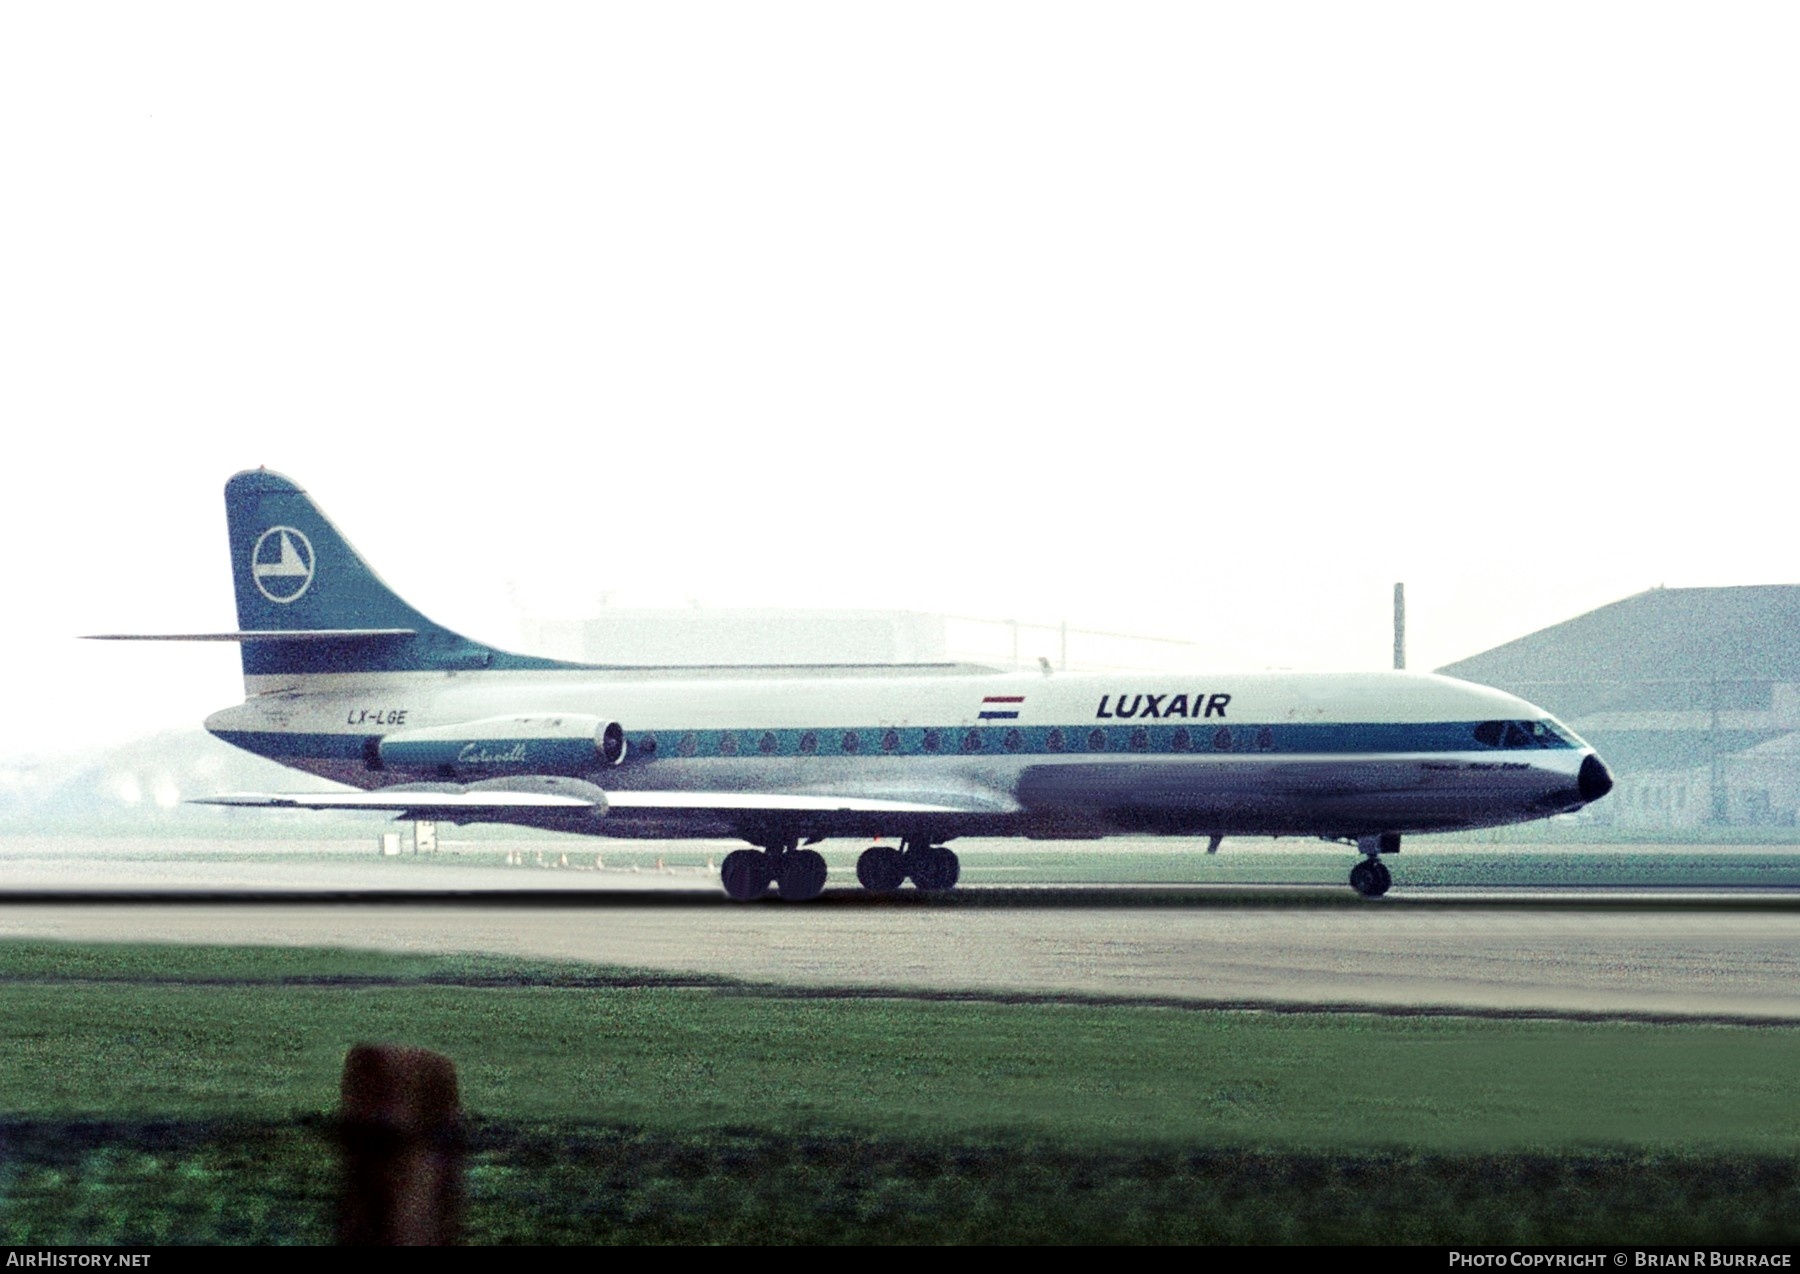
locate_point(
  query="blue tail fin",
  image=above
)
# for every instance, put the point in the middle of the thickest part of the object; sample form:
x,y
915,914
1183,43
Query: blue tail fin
x,y
299,581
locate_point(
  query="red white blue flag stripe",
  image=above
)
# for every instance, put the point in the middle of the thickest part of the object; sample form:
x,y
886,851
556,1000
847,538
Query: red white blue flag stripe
x,y
1001,707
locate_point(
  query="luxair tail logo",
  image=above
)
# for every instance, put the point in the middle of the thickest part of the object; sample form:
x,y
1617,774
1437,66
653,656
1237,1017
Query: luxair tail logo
x,y
282,564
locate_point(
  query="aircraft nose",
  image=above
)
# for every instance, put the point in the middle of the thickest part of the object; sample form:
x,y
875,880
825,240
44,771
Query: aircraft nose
x,y
1595,780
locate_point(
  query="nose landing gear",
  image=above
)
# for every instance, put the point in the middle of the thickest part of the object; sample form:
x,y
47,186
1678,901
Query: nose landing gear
x,y
1370,877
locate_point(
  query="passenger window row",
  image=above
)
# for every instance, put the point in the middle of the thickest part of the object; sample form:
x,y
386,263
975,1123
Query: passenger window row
x,y
935,742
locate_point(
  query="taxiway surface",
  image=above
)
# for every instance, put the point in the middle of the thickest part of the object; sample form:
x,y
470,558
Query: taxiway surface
x,y
1720,954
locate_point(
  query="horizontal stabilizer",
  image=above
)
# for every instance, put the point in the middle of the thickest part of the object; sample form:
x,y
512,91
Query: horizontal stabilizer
x,y
293,634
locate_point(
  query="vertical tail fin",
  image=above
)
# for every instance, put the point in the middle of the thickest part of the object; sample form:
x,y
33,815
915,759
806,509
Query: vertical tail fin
x,y
322,608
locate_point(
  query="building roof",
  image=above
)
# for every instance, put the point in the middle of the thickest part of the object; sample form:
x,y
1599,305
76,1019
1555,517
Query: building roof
x,y
1662,751
1667,648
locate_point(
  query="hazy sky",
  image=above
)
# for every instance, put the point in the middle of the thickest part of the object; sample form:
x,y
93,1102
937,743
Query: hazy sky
x,y
1206,320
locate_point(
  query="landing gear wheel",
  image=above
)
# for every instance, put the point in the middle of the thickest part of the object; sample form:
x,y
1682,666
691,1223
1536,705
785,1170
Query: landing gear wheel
x,y
1371,878
881,870
934,868
746,874
802,875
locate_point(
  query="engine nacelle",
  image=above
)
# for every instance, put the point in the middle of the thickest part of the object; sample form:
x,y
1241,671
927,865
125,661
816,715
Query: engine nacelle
x,y
564,743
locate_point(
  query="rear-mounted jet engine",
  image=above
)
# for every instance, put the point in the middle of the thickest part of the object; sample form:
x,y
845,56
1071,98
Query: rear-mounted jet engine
x,y
569,743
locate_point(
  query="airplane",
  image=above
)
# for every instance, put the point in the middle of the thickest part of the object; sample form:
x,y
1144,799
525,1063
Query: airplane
x,y
346,680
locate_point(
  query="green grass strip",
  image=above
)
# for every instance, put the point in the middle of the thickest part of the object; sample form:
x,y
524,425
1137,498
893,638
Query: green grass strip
x,y
182,1095
103,1033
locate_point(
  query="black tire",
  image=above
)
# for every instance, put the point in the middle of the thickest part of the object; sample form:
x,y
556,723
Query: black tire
x,y
802,875
1371,878
934,869
881,869
745,873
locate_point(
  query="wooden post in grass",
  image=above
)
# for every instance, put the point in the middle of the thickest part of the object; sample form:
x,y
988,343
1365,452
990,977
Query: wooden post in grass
x,y
400,1133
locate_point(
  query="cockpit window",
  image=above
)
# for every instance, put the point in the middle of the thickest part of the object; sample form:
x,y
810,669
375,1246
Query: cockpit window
x,y
1551,733
1523,734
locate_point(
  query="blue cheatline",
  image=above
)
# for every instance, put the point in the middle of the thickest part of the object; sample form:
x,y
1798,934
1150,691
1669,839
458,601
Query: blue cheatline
x,y
1246,741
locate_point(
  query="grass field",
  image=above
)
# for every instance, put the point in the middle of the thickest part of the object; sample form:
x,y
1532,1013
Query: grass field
x,y
180,1094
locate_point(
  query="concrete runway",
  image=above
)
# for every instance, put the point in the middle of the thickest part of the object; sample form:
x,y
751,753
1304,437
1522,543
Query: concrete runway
x,y
1702,954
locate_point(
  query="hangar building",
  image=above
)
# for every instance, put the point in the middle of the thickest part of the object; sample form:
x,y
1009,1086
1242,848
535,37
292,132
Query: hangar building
x,y
1692,696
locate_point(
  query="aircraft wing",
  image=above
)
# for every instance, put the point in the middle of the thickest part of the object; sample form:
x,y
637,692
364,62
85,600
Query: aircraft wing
x,y
774,802
551,796
401,800
279,635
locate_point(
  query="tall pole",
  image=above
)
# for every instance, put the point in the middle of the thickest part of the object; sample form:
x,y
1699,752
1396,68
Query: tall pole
x,y
1399,626
1721,807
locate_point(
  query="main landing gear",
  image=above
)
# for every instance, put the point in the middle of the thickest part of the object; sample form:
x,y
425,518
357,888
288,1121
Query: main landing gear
x,y
882,869
1370,877
798,873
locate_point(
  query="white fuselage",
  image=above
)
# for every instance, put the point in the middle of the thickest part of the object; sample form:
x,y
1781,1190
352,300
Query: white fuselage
x,y
1339,755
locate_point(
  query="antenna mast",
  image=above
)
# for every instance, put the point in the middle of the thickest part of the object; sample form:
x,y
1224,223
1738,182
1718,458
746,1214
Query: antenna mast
x,y
1399,626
